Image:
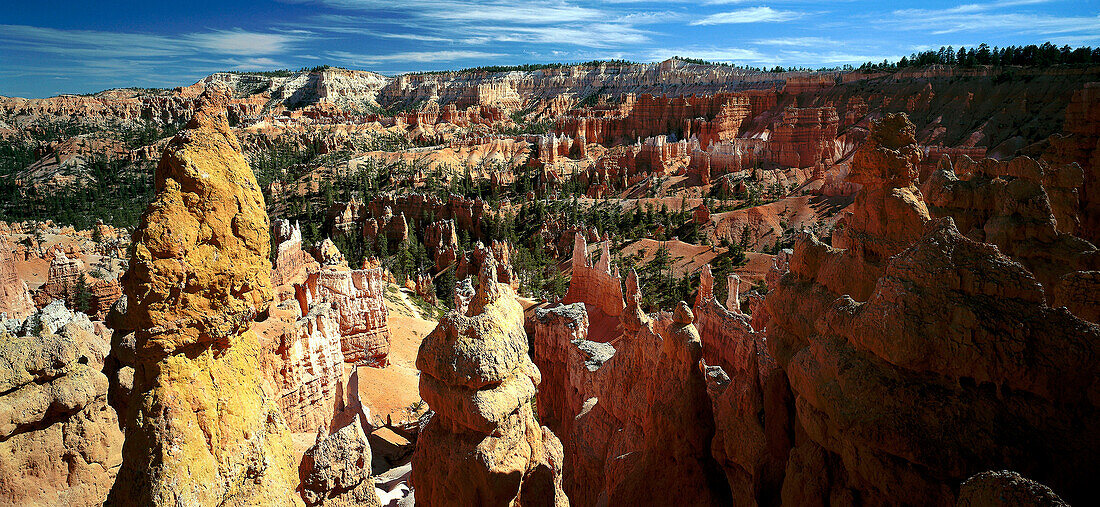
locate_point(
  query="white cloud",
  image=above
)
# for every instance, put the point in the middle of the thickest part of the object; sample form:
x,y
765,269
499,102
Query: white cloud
x,y
742,55
475,23
991,18
798,41
411,56
750,15
100,44
240,42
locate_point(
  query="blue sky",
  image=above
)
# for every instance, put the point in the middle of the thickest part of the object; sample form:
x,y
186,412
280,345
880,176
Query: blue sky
x,y
50,47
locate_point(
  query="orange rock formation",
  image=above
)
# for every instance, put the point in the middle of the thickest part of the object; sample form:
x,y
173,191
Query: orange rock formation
x,y
199,428
483,445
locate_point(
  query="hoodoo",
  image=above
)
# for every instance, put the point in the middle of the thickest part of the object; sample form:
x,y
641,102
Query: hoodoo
x,y
200,430
484,446
682,283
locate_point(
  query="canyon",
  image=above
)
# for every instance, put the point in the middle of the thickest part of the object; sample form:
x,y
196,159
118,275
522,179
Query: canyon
x,y
598,284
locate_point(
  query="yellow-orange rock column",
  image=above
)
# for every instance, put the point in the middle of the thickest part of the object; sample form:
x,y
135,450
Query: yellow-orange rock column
x,y
200,430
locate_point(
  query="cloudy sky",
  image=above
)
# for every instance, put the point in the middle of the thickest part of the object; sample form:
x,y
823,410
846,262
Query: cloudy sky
x,y
49,47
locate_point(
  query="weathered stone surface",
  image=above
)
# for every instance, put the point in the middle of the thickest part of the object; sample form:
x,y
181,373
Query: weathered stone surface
x,y
60,443
292,263
15,297
336,470
61,280
629,408
483,444
104,293
1006,488
749,395
1028,209
329,256
918,356
303,363
360,310
200,429
594,284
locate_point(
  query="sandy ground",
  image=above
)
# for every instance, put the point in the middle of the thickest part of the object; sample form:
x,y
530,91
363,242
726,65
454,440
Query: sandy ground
x,y
391,391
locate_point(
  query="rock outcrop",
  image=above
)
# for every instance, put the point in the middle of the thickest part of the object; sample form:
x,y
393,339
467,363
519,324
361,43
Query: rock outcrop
x,y
336,470
61,280
629,408
15,296
483,444
292,263
199,428
303,363
59,439
918,356
595,284
360,307
1028,208
1006,488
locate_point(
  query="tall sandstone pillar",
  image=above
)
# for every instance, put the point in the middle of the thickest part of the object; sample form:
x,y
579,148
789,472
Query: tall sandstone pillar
x,y
199,429
483,446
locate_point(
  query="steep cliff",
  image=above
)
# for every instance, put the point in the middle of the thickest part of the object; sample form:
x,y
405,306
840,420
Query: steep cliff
x,y
15,296
917,356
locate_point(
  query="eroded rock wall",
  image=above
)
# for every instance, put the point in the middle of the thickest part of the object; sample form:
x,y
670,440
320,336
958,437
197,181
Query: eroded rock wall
x,y
918,356
15,296
360,306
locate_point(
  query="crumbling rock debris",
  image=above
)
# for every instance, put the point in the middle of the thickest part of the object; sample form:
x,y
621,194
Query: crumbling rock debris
x,y
335,471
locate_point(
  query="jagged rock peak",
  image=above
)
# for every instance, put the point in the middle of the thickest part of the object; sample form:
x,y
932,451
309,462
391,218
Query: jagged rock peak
x,y
199,428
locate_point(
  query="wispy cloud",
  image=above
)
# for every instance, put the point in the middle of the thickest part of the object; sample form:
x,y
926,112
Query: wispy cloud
x,y
750,15
138,45
991,17
740,55
798,42
240,42
411,56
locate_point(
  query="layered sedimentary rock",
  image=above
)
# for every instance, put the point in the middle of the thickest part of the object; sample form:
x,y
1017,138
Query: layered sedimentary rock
x,y
59,440
749,394
103,294
918,356
61,281
292,263
804,137
710,118
483,444
360,306
594,284
199,428
303,362
15,296
1028,209
1079,142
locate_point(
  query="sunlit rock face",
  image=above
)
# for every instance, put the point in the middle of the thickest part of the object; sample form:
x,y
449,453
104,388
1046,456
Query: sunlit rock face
x,y
199,428
60,441
483,444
